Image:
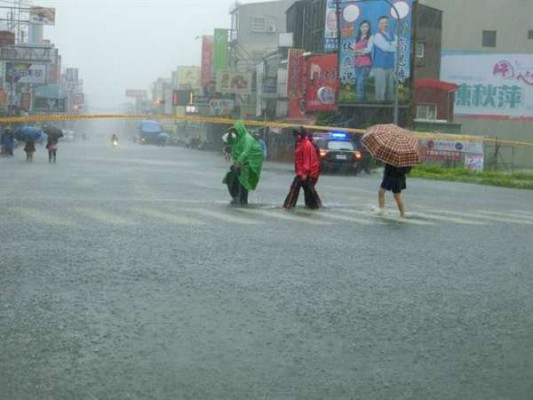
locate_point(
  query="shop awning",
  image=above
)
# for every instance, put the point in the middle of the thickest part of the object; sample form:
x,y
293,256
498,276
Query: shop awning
x,y
436,84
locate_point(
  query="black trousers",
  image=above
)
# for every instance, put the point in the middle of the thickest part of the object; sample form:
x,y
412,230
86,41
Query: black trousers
x,y
238,193
311,197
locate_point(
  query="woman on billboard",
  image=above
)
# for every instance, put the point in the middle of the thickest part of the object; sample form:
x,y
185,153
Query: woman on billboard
x,y
363,60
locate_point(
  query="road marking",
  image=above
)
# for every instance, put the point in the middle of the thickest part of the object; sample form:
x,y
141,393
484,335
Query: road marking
x,y
170,216
226,217
41,217
284,215
455,220
356,220
482,216
508,215
105,218
388,217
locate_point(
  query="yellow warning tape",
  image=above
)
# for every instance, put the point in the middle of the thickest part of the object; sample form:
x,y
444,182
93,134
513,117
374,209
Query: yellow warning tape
x,y
230,121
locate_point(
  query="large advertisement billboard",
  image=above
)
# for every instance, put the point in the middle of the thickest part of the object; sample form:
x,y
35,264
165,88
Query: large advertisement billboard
x,y
491,86
374,36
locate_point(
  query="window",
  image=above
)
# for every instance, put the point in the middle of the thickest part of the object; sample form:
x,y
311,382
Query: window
x,y
426,111
259,24
420,50
530,34
489,39
340,145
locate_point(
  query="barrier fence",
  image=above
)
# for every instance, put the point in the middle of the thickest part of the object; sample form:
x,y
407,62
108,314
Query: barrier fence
x,y
250,123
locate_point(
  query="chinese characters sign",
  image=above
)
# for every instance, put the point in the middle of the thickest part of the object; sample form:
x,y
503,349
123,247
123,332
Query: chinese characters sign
x,y
491,85
25,73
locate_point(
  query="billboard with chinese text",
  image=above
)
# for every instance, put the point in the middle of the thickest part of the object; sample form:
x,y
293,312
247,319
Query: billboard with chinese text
x,y
25,73
374,36
491,86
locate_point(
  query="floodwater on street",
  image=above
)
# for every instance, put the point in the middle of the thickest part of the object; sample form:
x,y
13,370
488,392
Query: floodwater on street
x,y
126,274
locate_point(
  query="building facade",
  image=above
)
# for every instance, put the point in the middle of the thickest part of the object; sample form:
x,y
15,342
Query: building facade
x,y
487,50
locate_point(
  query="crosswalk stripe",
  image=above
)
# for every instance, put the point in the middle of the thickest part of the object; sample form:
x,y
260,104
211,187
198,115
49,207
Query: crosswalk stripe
x,y
41,217
103,217
507,215
285,215
482,216
390,217
225,217
456,220
167,217
346,218
522,212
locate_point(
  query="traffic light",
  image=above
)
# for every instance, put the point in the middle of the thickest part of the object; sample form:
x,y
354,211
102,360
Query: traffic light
x,y
181,97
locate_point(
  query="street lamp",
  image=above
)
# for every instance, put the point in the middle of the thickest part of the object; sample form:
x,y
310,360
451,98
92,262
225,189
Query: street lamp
x,y
396,64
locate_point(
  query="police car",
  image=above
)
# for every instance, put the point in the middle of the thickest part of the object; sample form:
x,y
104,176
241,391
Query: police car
x,y
338,152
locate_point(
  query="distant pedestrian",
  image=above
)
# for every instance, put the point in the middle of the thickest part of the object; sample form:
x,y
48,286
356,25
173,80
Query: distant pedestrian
x,y
29,148
247,157
7,141
393,180
51,146
307,168
258,137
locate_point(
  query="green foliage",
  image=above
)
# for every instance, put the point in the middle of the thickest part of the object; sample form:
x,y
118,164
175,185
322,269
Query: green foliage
x,y
519,180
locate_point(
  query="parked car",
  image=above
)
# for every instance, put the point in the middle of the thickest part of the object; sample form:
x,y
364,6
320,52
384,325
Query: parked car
x,y
338,152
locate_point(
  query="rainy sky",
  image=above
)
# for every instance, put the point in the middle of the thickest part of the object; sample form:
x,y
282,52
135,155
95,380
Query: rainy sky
x,y
127,44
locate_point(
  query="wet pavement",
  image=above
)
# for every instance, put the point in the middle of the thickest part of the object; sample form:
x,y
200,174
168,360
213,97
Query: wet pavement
x,y
126,274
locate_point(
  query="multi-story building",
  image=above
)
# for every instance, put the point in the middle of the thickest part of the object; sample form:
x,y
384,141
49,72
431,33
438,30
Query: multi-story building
x,y
306,20
487,50
255,33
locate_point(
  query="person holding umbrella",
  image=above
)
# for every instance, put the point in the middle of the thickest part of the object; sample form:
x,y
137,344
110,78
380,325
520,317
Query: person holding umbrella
x,y
393,180
247,156
51,146
399,150
29,135
29,148
53,138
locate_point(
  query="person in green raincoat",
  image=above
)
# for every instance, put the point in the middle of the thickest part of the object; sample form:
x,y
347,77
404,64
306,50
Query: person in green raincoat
x,y
247,156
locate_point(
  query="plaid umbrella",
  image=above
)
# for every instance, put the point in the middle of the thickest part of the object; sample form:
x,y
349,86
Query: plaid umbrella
x,y
392,145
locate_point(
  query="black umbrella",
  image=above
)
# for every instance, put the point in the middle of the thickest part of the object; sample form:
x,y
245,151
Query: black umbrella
x,y
53,132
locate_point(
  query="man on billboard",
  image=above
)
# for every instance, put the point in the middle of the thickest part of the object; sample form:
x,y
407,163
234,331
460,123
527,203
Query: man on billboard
x,y
383,49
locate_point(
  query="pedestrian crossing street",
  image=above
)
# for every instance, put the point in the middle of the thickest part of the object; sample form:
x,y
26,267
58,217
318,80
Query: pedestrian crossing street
x,y
204,214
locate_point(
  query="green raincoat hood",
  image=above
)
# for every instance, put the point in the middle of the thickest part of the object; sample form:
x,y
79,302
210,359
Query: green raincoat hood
x,y
247,152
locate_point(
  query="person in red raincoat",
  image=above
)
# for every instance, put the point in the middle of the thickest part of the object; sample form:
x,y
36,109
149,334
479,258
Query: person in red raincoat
x,y
307,168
